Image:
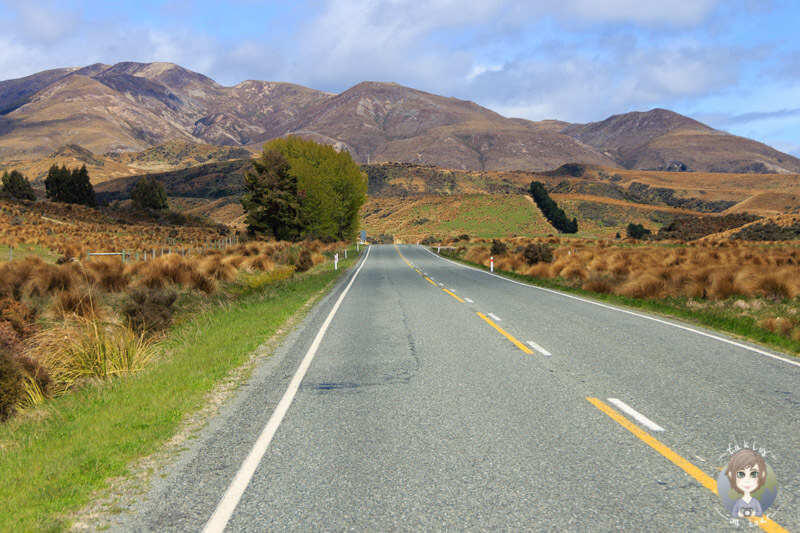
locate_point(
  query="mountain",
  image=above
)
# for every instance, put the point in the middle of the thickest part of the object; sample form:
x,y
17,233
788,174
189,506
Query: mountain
x,y
131,107
664,140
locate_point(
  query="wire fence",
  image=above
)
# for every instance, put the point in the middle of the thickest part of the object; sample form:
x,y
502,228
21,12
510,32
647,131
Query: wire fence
x,y
150,254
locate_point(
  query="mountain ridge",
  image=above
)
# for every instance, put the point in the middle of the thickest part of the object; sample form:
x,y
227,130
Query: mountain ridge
x,y
131,107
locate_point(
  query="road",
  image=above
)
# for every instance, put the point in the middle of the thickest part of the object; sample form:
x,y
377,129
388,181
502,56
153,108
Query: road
x,y
441,397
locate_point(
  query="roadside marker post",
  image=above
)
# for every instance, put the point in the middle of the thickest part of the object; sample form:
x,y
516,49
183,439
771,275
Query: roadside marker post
x,y
438,249
345,253
336,261
491,263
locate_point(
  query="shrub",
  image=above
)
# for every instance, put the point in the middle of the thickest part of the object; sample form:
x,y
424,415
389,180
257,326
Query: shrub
x,y
19,316
636,231
148,193
149,311
304,261
498,247
11,384
538,253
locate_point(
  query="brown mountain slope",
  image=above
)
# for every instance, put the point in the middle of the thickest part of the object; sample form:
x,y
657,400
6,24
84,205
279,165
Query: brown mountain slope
x,y
664,140
389,122
134,106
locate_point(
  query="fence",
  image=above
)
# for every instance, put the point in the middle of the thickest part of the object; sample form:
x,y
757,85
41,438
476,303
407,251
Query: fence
x,y
135,255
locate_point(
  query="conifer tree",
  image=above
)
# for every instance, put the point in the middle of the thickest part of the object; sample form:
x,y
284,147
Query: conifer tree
x,y
16,186
271,201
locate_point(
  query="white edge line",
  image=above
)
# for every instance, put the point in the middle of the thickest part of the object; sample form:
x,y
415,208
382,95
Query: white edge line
x,y
643,420
539,348
230,500
633,313
494,317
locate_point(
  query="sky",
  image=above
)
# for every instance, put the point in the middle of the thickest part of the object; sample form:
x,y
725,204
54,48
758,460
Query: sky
x,y
731,64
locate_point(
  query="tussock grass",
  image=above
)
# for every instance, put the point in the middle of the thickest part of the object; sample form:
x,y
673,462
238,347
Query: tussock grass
x,y
84,349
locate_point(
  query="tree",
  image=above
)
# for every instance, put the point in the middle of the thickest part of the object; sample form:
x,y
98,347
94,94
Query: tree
x,y
330,189
72,187
271,202
16,186
554,214
149,193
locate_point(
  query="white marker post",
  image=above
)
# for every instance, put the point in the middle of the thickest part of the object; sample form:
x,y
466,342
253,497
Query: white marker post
x,y
438,249
357,243
345,253
336,262
491,263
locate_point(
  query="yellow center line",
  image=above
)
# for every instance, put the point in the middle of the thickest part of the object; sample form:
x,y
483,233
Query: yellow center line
x,y
505,334
764,522
426,277
453,295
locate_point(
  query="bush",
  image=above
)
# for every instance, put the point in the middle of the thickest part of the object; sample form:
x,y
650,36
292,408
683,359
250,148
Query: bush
x,y
636,231
498,247
149,311
304,261
429,240
11,384
149,193
538,253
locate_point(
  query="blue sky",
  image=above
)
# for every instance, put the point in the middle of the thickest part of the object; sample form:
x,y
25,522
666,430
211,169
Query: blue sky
x,y
733,64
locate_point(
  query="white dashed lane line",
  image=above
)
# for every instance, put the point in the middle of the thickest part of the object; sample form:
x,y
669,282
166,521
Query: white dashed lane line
x,y
636,415
494,317
539,349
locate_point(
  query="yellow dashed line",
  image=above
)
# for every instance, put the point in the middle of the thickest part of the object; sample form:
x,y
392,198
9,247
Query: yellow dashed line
x,y
453,295
704,479
431,281
505,334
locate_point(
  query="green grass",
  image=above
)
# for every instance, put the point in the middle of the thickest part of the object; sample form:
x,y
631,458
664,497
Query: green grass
x,y
722,316
52,463
24,250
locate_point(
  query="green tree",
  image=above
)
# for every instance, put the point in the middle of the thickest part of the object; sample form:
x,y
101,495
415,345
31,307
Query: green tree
x,y
330,187
149,193
16,186
271,201
637,231
72,187
554,214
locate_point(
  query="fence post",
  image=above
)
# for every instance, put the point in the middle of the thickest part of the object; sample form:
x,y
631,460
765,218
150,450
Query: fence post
x,y
123,257
88,255
10,253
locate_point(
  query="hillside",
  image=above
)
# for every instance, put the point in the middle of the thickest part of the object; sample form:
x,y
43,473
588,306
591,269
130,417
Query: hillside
x,y
131,107
172,155
664,140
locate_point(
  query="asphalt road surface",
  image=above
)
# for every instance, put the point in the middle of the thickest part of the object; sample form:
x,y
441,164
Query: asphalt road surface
x,y
440,397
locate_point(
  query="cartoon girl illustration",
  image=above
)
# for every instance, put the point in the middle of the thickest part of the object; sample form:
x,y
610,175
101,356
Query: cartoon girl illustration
x,y
746,472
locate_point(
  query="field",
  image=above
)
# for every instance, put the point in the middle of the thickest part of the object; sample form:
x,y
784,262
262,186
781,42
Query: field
x,y
482,215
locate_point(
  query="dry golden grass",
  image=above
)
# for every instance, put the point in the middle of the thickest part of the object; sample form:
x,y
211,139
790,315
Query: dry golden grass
x,y
711,271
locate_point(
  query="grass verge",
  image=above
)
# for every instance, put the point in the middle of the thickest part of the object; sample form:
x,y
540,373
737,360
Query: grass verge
x,y
53,460
722,316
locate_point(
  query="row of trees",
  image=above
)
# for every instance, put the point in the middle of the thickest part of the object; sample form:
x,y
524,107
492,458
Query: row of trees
x,y
69,186
554,214
301,189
